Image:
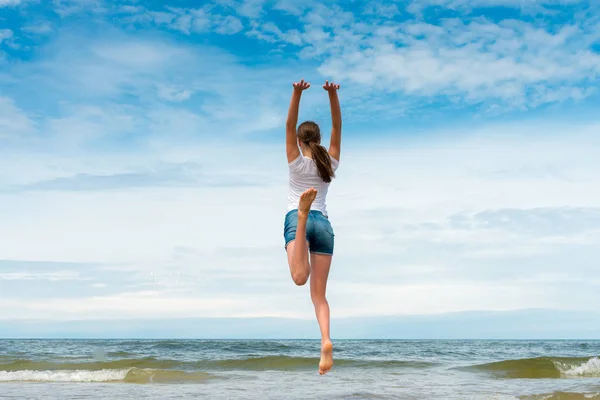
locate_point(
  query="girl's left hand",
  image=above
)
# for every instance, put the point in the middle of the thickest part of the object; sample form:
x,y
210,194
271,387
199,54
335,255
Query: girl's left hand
x,y
301,85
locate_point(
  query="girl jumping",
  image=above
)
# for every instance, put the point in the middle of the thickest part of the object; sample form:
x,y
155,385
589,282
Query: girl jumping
x,y
311,169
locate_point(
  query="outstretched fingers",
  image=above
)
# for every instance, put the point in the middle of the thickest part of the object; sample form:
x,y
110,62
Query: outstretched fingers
x,y
301,85
331,87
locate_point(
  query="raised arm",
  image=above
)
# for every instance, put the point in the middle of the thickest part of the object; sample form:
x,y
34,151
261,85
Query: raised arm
x,y
336,120
291,141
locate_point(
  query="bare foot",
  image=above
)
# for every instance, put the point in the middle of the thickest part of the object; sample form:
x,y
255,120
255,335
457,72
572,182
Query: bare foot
x,y
306,200
326,357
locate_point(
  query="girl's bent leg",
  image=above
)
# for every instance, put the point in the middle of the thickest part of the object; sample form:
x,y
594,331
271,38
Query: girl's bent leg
x,y
297,249
297,252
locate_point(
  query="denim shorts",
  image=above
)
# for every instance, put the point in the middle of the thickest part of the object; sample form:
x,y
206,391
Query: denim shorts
x,y
319,232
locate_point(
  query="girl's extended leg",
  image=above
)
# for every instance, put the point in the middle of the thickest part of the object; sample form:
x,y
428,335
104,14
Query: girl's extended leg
x,y
297,250
320,265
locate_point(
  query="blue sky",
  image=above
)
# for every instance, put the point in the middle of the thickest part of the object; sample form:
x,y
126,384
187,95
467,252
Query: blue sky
x,y
143,176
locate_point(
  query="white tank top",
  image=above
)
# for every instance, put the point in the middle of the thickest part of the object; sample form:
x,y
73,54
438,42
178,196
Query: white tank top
x,y
304,175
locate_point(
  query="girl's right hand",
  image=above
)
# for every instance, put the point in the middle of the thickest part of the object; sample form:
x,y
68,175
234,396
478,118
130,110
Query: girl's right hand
x,y
331,87
300,86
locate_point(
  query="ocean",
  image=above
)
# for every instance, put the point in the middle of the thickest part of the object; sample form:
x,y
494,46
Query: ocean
x,y
287,369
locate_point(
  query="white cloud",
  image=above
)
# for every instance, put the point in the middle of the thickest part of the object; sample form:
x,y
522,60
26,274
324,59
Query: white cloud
x,y
269,32
104,67
80,71
528,5
478,61
9,3
246,8
6,35
177,193
291,7
65,8
171,93
435,223
509,63
13,121
142,305
40,29
182,23
49,276
381,9
159,17
496,65
188,20
228,25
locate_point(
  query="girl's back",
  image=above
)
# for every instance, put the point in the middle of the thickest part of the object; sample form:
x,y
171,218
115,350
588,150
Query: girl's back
x,y
304,175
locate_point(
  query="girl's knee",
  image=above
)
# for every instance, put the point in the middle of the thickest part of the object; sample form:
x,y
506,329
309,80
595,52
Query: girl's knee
x,y
318,298
300,279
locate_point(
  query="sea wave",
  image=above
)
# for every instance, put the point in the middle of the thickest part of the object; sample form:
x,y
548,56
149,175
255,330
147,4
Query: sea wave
x,y
544,367
294,363
562,396
122,364
256,363
131,375
589,368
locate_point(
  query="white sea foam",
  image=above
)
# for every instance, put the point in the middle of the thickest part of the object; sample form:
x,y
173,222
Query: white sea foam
x,y
590,368
104,375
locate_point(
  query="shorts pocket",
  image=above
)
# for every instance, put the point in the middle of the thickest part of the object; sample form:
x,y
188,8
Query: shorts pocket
x,y
327,226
